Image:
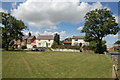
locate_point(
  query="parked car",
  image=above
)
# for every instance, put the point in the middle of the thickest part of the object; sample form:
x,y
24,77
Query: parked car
x,y
41,49
34,48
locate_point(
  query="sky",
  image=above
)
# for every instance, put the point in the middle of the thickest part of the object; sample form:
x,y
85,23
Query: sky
x,y
64,18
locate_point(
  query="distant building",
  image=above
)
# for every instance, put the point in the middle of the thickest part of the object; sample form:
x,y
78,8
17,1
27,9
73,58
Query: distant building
x,y
44,40
76,40
67,42
28,40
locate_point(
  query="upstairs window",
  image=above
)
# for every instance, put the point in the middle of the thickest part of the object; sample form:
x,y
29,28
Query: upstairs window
x,y
76,39
39,43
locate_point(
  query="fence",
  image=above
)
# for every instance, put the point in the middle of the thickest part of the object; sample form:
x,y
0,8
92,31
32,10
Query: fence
x,y
115,56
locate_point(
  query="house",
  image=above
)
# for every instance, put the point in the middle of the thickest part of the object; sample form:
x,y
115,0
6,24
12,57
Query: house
x,y
27,40
77,40
67,42
44,40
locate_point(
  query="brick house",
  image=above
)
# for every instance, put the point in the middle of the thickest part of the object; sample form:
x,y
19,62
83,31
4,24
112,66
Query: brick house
x,y
27,40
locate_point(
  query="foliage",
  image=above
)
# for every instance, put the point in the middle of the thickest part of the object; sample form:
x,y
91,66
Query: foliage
x,y
53,45
68,39
11,30
23,47
117,42
57,39
92,46
99,23
12,43
65,47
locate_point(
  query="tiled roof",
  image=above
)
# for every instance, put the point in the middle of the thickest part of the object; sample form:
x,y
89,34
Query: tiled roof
x,y
78,37
45,37
68,42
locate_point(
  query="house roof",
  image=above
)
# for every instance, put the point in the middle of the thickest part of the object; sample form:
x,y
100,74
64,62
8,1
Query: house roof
x,y
68,42
28,37
45,37
31,37
78,37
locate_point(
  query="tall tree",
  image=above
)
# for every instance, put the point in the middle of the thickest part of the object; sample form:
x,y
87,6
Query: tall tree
x,y
12,29
57,39
99,23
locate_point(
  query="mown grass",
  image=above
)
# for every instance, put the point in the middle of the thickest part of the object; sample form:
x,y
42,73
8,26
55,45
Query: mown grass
x,y
24,64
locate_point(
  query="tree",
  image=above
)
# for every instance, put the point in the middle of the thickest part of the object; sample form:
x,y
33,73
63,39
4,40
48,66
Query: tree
x,y
68,39
98,24
12,29
57,39
117,42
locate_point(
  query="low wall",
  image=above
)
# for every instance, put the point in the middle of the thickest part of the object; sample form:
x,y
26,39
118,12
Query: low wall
x,y
115,56
66,50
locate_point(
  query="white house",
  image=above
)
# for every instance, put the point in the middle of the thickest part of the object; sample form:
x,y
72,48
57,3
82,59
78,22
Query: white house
x,y
76,40
44,40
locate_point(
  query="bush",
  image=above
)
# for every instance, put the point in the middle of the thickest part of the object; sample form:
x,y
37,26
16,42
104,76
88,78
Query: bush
x,y
65,47
94,46
23,47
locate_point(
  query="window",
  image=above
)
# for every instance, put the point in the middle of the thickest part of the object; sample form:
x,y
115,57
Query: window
x,y
48,44
28,41
39,39
49,40
76,39
39,43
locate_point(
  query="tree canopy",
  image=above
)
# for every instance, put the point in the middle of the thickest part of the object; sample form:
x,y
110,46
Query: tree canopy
x,y
57,39
11,29
98,24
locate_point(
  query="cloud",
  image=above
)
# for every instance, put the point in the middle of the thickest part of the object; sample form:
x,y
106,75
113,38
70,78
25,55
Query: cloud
x,y
111,36
2,10
80,28
116,18
49,28
39,14
14,5
62,33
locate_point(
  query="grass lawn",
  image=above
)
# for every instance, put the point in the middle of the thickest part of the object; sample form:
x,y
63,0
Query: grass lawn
x,y
23,64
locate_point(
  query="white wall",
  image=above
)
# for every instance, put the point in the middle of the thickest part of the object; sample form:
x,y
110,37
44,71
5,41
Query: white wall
x,y
78,42
42,43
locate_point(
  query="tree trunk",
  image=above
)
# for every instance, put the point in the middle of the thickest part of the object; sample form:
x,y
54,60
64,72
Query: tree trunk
x,y
100,50
6,47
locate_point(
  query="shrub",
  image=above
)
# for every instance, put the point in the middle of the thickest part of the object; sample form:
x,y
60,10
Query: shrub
x,y
65,47
23,47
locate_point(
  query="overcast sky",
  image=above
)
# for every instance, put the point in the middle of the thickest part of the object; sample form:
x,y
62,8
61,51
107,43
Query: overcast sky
x,y
64,18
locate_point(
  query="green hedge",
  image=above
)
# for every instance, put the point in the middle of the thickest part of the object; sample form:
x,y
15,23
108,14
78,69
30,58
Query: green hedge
x,y
65,47
23,47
